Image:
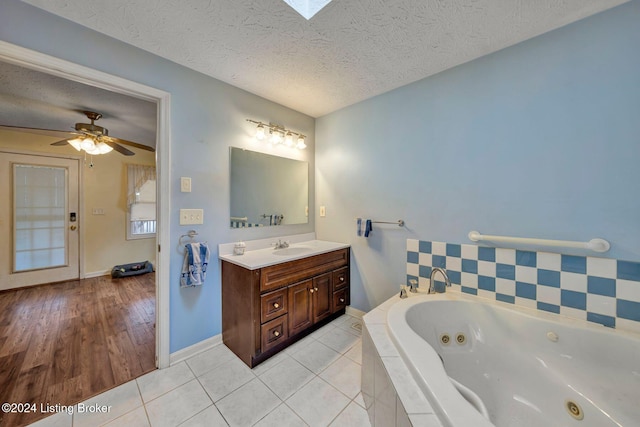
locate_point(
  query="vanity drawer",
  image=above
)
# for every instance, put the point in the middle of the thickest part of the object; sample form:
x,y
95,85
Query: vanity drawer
x,y
274,332
286,273
273,304
340,299
340,278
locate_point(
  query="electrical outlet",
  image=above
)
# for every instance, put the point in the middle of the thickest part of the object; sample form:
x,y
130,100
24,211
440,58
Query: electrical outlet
x,y
323,211
191,216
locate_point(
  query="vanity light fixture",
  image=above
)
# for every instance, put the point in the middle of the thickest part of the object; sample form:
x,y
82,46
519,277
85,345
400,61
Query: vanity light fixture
x,y
278,134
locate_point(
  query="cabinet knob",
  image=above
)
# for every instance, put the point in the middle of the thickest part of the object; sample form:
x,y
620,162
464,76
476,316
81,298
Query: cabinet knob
x,y
342,278
315,289
341,299
276,305
276,333
311,290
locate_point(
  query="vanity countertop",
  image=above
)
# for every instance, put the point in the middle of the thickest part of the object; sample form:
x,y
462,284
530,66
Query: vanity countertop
x,y
258,258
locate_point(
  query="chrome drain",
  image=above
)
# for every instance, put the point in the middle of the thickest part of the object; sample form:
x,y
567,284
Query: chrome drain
x,y
460,338
574,409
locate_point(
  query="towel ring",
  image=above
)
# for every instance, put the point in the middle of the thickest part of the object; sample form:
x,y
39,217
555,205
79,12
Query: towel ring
x,y
190,234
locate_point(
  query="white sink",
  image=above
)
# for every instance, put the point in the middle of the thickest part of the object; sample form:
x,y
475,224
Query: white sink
x,y
293,250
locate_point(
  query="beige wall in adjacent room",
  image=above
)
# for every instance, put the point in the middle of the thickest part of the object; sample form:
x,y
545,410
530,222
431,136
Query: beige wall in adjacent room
x,y
105,187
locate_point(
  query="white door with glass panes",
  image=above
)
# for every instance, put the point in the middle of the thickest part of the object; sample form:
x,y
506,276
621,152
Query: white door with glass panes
x,y
39,220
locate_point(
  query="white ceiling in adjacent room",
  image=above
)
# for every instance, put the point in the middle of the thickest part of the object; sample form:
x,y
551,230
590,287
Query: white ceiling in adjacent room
x,y
33,99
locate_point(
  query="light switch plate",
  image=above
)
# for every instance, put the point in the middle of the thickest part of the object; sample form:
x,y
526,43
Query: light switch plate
x,y
185,184
191,216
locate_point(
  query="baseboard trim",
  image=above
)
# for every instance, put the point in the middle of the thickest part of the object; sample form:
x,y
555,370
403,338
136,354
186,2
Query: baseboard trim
x,y
97,274
192,350
354,312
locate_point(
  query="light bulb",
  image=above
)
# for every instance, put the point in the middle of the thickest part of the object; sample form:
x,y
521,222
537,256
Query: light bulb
x,y
87,144
276,137
260,135
301,145
288,139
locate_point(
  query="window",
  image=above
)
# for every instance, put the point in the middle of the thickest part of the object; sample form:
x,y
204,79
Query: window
x,y
141,202
39,217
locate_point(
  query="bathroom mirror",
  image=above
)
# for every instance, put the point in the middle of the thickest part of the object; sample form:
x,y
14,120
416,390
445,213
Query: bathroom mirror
x,y
267,190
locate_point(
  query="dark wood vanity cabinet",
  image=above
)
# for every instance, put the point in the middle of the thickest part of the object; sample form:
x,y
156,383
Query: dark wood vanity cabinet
x,y
267,309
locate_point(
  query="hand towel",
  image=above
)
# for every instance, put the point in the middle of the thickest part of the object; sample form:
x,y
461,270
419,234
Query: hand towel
x,y
359,226
367,228
194,266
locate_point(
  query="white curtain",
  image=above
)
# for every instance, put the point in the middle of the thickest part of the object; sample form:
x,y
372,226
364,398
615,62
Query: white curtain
x,y
137,177
141,192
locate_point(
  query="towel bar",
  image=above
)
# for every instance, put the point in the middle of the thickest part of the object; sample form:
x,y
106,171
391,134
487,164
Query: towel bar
x,y
399,223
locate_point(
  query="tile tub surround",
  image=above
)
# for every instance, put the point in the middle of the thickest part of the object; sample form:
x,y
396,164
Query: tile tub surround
x,y
391,395
315,382
599,290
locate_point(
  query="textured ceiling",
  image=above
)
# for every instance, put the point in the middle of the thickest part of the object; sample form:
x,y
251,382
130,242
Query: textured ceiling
x,y
30,98
349,51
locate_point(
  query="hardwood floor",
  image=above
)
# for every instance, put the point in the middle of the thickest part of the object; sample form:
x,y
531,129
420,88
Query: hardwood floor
x,y
65,342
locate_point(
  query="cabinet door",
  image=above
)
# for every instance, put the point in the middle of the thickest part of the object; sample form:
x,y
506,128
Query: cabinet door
x,y
300,309
322,297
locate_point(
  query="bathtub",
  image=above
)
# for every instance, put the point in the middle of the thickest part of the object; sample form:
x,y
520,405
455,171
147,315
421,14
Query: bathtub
x,y
519,367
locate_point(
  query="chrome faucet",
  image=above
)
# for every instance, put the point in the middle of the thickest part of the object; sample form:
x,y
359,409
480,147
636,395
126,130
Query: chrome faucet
x,y
432,286
281,244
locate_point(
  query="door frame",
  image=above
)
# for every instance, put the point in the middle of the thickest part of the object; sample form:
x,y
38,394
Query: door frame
x,y
31,59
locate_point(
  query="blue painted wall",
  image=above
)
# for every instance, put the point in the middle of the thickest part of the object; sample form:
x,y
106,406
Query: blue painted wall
x,y
541,139
207,117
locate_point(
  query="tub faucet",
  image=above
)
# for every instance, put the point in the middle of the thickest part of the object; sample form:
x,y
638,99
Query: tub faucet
x,y
432,286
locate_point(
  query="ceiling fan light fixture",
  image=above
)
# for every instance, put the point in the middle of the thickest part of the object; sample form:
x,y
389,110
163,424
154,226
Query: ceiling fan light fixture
x,y
88,144
100,148
75,143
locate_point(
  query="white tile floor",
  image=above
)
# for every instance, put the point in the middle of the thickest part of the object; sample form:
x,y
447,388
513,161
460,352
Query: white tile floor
x,y
315,382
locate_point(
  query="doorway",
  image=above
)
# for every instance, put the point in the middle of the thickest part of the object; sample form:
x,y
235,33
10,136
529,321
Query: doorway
x,y
37,61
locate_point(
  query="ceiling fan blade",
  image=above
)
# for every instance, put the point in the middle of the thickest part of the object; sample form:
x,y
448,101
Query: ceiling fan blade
x,y
125,142
59,143
47,132
119,148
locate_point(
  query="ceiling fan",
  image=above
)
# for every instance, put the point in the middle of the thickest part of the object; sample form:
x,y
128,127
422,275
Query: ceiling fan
x,y
89,137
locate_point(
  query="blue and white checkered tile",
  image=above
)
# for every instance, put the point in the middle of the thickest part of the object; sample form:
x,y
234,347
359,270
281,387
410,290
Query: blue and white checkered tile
x,y
600,290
